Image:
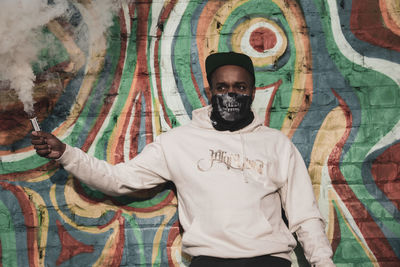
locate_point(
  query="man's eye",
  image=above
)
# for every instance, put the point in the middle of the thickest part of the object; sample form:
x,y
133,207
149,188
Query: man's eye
x,y
242,87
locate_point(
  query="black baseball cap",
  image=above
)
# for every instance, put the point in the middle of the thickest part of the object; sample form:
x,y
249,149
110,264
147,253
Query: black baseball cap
x,y
214,61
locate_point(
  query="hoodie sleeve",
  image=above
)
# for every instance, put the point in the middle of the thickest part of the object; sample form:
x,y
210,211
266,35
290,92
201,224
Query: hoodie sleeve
x,y
146,170
302,212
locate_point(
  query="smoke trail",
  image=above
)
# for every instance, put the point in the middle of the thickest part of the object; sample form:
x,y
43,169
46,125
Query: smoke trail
x,y
99,14
20,25
20,21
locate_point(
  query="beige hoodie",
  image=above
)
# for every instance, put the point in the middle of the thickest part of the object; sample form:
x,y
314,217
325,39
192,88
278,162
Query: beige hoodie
x,y
231,188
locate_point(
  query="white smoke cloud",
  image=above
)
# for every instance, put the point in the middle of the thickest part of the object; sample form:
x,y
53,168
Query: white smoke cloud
x,y
20,21
99,15
20,25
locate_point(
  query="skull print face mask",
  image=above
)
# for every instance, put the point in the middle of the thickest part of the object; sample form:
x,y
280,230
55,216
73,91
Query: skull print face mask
x,y
231,111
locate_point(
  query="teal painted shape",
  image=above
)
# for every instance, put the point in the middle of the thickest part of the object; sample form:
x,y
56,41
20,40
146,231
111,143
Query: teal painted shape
x,y
7,237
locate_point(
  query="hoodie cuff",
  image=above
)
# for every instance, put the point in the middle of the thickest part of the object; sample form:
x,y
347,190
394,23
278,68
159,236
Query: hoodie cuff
x,y
314,241
65,157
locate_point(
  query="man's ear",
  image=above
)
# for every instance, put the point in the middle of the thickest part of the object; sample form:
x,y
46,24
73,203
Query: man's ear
x,y
208,93
253,93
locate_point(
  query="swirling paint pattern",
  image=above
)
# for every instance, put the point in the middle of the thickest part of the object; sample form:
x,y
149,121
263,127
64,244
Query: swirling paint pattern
x,y
327,76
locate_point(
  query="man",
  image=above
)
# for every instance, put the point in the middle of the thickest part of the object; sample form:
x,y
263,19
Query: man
x,y
233,176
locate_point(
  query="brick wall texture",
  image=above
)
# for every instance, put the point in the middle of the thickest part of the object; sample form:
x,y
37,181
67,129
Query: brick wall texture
x,y
327,75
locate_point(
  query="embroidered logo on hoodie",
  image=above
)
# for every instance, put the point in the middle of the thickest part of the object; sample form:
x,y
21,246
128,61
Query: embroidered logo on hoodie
x,y
231,161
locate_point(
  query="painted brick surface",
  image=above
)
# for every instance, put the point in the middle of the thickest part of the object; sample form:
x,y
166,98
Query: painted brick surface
x,y
328,76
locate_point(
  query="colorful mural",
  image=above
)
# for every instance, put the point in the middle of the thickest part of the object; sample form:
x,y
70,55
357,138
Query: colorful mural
x,y
327,76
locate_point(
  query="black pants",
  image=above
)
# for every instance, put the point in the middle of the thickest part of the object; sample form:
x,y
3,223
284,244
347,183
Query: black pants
x,y
260,261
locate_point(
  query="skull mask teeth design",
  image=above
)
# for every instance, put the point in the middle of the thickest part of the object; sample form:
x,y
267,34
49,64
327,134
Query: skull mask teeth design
x,y
231,111
231,106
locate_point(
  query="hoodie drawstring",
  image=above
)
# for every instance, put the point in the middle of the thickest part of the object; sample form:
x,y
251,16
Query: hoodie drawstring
x,y
244,157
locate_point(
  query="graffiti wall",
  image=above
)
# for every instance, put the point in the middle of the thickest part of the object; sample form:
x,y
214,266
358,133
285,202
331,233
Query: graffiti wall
x,y
327,75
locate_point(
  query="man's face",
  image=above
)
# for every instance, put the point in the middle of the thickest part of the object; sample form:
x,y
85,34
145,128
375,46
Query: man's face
x,y
231,79
232,90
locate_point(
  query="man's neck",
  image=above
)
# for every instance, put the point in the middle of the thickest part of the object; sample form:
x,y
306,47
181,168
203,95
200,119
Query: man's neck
x,y
220,124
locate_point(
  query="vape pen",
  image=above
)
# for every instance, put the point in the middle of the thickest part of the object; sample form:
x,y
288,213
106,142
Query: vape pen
x,y
35,124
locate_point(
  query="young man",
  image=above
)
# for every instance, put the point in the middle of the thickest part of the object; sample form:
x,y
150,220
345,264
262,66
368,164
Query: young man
x,y
233,176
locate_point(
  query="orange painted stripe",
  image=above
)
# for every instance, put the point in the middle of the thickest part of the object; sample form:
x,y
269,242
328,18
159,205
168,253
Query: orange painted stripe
x,y
105,109
301,100
167,201
204,22
165,14
268,111
172,235
390,16
49,167
140,83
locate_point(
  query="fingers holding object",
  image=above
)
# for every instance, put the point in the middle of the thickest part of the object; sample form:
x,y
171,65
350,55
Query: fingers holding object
x,y
46,150
39,140
39,143
36,135
47,145
42,147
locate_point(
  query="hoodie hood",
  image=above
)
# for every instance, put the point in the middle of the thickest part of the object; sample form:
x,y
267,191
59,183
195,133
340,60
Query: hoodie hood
x,y
201,119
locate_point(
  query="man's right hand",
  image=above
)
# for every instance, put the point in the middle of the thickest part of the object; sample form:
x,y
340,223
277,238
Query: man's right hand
x,y
47,145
